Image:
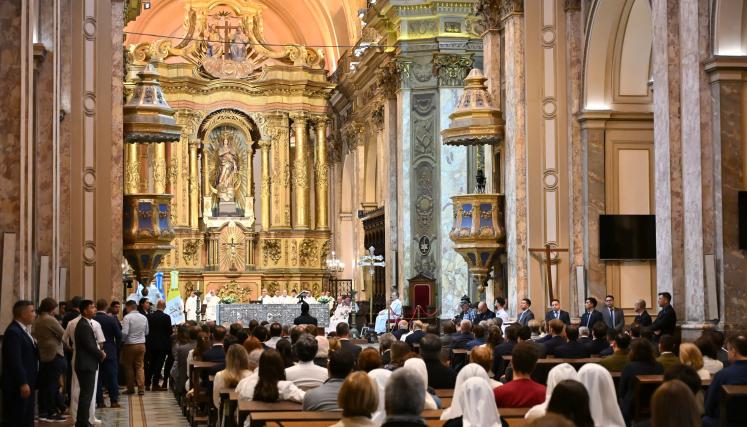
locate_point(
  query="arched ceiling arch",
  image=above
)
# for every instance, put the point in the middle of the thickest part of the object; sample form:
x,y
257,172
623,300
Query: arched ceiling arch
x,y
330,25
730,28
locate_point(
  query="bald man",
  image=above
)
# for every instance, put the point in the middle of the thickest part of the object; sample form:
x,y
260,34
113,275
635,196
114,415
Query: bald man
x,y
157,345
483,313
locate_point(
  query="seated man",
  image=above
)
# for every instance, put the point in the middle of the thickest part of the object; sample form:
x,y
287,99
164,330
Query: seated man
x,y
599,344
404,411
461,338
439,375
667,358
483,313
343,335
619,357
324,397
393,312
734,374
306,374
402,328
479,339
416,335
521,392
556,327
572,349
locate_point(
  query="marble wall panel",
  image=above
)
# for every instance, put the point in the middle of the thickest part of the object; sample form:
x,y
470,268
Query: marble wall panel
x,y
593,140
453,175
117,148
403,191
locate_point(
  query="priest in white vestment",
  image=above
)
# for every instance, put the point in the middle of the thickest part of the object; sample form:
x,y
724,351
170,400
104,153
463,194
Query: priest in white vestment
x,y
190,307
394,311
211,305
341,315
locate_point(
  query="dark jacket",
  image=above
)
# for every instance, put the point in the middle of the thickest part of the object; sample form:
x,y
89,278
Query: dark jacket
x,y
87,353
346,345
735,374
399,332
524,317
159,331
597,345
627,391
20,360
666,321
70,315
503,349
305,319
589,320
643,319
479,317
414,338
563,316
553,343
112,333
404,421
571,350
439,375
460,340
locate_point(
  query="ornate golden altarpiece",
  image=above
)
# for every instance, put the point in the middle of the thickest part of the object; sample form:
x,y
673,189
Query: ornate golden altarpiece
x,y
249,173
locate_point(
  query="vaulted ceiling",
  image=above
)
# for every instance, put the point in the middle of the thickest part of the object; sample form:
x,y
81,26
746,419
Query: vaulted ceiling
x,y
330,25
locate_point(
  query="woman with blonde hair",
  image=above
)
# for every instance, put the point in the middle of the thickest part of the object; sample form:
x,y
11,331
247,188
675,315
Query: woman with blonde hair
x,y
691,356
237,368
359,399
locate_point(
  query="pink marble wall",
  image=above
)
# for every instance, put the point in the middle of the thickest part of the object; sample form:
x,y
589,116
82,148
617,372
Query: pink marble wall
x,y
117,148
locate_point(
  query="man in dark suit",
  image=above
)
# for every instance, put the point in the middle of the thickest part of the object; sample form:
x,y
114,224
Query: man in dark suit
x,y
401,329
641,317
439,375
666,320
483,313
20,367
343,334
572,349
461,338
556,327
157,345
526,314
734,374
613,317
416,335
591,315
305,318
557,313
87,358
109,372
504,349
599,344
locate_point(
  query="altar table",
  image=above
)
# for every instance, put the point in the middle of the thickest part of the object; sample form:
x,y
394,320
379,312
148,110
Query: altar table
x,y
281,313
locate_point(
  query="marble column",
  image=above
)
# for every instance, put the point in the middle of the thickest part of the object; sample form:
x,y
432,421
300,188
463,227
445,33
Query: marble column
x,y
517,233
321,174
194,186
728,79
592,140
301,179
264,146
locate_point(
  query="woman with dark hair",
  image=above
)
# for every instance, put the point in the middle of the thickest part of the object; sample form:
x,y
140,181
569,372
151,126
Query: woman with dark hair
x,y
642,362
268,384
710,354
571,400
686,413
286,350
495,337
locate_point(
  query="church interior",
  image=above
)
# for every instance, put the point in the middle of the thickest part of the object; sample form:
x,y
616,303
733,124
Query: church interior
x,y
428,152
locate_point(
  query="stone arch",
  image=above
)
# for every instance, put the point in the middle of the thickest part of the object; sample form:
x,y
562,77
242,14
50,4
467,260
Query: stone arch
x,y
729,28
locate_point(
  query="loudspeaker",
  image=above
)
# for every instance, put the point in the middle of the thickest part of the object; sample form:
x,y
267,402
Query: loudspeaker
x,y
742,220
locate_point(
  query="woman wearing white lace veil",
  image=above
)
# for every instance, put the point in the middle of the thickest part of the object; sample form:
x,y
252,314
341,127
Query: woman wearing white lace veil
x,y
469,371
602,396
557,374
380,378
418,366
475,398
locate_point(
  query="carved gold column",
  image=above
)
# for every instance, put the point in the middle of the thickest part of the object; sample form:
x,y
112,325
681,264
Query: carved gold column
x,y
206,196
159,168
194,187
132,169
264,146
321,172
277,125
301,173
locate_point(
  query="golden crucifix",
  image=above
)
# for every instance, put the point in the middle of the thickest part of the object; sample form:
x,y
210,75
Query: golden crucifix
x,y
226,40
548,250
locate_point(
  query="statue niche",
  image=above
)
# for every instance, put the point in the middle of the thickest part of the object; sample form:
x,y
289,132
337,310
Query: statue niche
x,y
228,152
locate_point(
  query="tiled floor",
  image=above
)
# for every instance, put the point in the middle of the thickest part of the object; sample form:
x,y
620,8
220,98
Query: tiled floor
x,y
155,409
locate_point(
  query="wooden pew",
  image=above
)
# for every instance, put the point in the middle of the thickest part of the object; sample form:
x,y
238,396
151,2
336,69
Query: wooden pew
x,y
644,387
325,418
731,392
247,407
201,398
445,392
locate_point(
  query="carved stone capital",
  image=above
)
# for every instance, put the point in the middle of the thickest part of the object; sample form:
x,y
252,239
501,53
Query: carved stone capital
x,y
377,117
320,121
451,69
511,7
299,118
265,143
194,144
489,11
572,5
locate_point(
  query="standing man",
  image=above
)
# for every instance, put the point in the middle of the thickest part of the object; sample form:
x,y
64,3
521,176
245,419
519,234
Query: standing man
x,y
500,309
109,374
526,314
157,344
641,315
557,313
87,358
591,316
483,313
20,367
48,334
190,307
134,331
613,317
666,320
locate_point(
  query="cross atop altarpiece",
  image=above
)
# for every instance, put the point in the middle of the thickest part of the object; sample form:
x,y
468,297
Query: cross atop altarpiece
x,y
226,37
548,251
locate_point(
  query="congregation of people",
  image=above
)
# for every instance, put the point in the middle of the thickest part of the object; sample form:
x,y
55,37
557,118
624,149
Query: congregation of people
x,y
72,359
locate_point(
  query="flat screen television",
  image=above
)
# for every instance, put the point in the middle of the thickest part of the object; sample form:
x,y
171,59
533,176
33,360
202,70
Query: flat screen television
x,y
627,237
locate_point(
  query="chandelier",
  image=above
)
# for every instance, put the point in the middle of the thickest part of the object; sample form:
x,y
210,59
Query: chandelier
x,y
334,265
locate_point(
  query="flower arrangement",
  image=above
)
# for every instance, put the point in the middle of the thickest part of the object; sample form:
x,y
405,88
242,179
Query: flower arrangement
x,y
324,299
228,299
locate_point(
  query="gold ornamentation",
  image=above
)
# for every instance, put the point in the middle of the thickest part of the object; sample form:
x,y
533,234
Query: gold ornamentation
x,y
293,253
271,250
191,246
307,252
323,252
132,175
451,69
234,291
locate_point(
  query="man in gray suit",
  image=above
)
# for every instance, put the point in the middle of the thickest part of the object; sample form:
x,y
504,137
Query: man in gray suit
x,y
613,317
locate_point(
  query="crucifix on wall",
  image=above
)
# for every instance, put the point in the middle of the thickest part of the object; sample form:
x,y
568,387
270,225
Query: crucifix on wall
x,y
226,37
548,251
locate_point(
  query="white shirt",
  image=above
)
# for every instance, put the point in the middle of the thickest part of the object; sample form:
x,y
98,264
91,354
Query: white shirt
x,y
134,328
220,383
503,314
711,365
69,336
306,375
27,330
272,342
286,391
